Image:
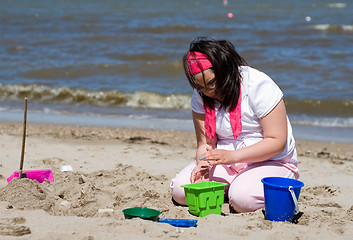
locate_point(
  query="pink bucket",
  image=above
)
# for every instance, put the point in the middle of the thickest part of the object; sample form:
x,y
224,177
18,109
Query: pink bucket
x,y
39,175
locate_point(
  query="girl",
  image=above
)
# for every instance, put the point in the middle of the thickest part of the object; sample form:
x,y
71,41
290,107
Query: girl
x,y
242,130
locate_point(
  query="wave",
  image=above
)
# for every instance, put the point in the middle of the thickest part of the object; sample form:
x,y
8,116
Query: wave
x,y
341,108
167,29
321,121
337,5
332,27
326,107
104,98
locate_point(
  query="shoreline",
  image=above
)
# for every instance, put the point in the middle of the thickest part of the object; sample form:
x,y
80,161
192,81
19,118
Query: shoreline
x,y
332,134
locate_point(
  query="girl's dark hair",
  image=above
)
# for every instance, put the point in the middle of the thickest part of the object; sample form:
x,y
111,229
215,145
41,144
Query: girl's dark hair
x,y
225,65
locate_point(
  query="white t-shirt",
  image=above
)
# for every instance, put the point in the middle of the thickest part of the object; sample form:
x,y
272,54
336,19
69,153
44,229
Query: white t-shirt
x,y
259,96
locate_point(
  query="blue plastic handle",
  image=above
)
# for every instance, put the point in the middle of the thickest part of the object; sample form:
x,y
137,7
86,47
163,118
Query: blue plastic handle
x,y
179,222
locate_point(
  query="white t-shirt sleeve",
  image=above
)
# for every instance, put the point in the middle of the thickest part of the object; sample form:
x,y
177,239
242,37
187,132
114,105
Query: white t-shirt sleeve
x,y
197,103
264,94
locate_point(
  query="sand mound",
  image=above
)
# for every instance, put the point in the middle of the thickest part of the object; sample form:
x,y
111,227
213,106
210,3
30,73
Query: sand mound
x,y
90,195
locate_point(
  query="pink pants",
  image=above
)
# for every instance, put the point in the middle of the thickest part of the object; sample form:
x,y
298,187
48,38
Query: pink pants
x,y
245,189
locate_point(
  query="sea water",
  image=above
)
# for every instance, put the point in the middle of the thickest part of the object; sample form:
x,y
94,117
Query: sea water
x,y
118,63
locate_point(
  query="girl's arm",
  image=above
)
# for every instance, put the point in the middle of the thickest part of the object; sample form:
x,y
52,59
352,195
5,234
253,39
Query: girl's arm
x,y
202,140
274,126
201,171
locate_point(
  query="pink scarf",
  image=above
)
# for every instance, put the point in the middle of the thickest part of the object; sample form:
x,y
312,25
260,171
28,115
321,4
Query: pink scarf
x,y
234,116
197,63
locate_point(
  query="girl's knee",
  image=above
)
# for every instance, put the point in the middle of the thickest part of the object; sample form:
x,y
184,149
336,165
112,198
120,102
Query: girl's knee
x,y
179,196
178,193
243,200
182,178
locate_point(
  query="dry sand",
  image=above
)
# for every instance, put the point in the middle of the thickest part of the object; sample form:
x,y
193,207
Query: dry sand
x,y
114,169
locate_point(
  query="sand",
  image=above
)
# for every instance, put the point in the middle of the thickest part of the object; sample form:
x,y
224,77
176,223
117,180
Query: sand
x,y
114,169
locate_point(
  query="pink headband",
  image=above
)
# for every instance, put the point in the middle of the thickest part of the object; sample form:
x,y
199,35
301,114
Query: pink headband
x,y
198,62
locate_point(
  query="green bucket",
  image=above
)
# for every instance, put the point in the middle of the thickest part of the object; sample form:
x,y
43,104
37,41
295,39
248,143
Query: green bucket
x,y
204,198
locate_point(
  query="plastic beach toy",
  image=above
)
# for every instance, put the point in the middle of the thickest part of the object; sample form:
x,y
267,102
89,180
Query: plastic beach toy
x,y
281,198
144,213
39,175
152,214
179,222
204,198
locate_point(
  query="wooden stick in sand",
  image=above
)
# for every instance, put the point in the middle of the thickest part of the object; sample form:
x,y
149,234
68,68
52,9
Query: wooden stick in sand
x,y
23,139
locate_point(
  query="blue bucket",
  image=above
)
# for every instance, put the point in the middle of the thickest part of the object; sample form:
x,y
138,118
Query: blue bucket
x,y
281,198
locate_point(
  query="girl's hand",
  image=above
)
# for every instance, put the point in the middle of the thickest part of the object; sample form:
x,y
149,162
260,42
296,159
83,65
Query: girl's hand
x,y
201,172
217,156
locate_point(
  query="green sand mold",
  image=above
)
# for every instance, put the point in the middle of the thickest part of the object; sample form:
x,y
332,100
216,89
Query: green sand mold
x,y
204,198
